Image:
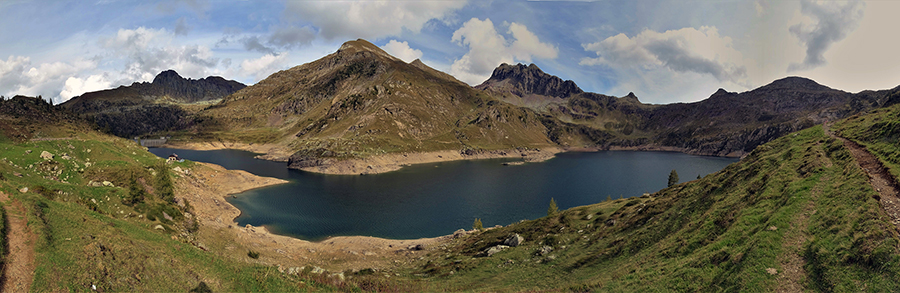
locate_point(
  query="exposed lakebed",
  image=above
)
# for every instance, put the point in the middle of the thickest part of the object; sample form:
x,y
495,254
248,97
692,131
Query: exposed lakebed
x,y
435,199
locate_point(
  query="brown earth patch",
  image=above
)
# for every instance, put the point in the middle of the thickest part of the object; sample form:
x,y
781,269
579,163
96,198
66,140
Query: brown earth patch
x,y
879,177
18,269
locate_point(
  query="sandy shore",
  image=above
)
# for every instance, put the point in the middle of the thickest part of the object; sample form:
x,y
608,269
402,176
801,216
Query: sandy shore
x,y
269,152
395,161
206,186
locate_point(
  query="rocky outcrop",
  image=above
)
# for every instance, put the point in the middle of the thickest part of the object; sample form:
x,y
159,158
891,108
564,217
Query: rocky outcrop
x,y
524,80
513,240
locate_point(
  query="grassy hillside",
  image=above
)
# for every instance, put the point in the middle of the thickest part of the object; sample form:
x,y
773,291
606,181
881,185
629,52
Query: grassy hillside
x,y
879,132
797,213
125,234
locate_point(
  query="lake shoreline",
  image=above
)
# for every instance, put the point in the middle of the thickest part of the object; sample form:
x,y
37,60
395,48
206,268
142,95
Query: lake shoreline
x,y
380,163
208,185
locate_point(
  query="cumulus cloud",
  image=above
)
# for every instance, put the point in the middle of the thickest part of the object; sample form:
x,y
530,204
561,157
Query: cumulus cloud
x,y
150,51
264,66
832,24
701,51
402,50
369,19
75,86
488,49
19,76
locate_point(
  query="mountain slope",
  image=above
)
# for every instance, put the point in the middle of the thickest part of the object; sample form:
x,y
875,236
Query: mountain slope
x,y
796,214
360,101
725,124
144,108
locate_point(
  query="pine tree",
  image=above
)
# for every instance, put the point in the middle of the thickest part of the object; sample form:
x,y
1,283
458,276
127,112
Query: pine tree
x,y
135,192
673,178
165,189
477,225
553,208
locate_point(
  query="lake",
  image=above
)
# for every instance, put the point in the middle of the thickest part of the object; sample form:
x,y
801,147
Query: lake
x,y
435,199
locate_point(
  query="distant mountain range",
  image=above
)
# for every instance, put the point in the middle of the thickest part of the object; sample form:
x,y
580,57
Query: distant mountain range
x,y
148,107
725,124
360,101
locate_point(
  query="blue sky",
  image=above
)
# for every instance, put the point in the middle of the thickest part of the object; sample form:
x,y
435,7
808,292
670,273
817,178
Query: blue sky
x,y
663,51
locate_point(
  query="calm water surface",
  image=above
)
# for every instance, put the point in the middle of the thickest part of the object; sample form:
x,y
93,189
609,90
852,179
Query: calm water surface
x,y
436,199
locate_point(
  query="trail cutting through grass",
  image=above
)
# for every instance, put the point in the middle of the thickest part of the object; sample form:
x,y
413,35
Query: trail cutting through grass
x,y
879,176
18,269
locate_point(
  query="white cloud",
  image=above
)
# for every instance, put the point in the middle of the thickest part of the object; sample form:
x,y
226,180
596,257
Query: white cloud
x,y
653,62
488,49
76,86
402,50
150,51
369,19
264,66
832,24
19,76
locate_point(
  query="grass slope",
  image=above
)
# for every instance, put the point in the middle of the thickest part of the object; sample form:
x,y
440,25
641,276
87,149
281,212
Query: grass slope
x,y
879,132
798,205
89,236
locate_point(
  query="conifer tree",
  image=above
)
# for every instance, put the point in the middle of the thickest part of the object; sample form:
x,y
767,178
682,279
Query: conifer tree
x,y
673,178
553,209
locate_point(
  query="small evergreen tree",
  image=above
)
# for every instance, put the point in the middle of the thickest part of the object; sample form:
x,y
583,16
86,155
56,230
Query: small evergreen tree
x,y
477,225
552,209
165,189
673,178
608,197
135,192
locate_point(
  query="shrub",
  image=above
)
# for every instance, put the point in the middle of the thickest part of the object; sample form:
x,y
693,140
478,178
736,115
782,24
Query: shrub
x,y
253,254
552,209
477,225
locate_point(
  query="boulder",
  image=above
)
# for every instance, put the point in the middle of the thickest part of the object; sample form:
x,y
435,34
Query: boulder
x,y
545,250
107,184
177,169
459,233
159,227
46,155
495,249
513,240
23,190
317,270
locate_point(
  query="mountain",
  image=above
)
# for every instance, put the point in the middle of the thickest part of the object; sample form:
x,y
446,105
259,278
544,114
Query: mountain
x,y
360,101
148,107
725,124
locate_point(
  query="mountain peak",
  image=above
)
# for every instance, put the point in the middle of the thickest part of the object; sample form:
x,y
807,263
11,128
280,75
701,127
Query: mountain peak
x,y
796,82
523,80
167,76
360,45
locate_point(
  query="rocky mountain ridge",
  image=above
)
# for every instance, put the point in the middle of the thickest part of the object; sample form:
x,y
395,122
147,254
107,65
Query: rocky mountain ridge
x,y
725,124
147,107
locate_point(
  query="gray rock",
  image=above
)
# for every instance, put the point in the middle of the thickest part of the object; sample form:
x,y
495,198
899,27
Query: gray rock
x,y
513,240
545,250
317,270
107,184
165,215
459,233
159,227
46,155
23,190
495,249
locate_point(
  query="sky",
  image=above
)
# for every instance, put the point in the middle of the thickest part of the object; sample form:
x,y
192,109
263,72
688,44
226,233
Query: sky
x,y
663,51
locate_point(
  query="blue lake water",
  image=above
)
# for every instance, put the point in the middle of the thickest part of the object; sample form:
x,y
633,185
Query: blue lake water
x,y
430,200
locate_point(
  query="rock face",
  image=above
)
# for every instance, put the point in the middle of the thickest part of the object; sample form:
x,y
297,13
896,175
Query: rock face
x,y
147,107
513,240
524,80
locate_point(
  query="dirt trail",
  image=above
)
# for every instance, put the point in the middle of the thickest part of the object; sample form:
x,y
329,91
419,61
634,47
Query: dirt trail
x,y
881,180
19,267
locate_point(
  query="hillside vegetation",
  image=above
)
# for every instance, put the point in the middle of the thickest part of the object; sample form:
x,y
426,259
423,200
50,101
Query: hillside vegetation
x,y
795,214
104,216
879,132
